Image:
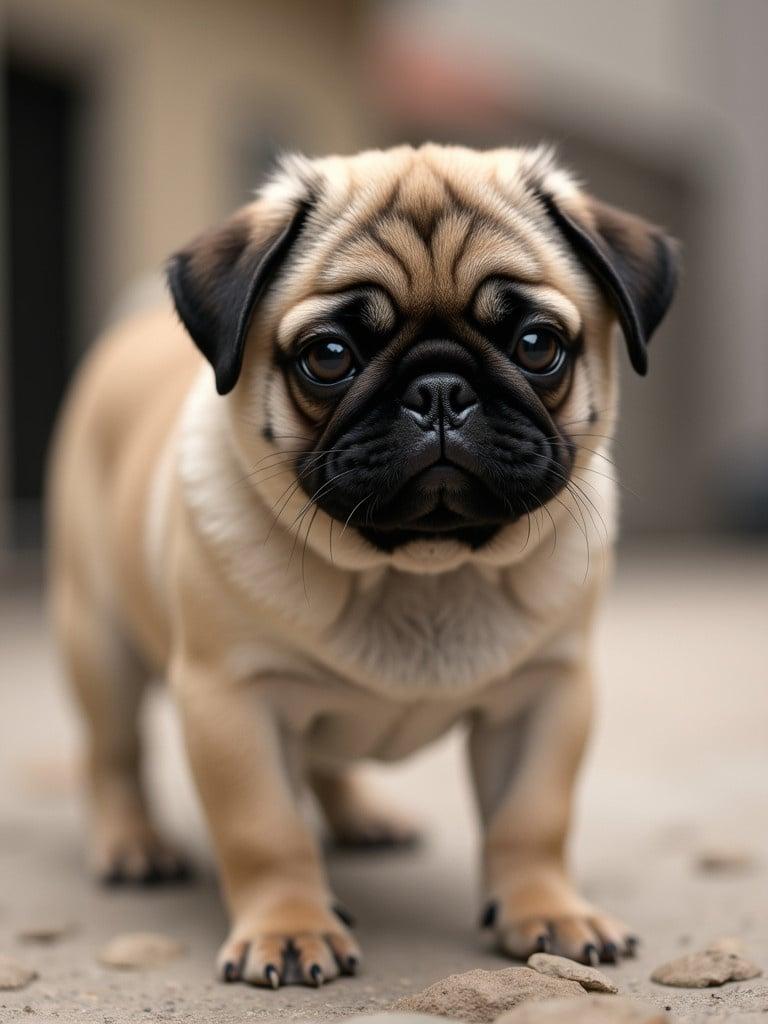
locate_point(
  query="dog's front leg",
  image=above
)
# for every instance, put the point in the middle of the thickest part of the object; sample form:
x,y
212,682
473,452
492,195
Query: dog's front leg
x,y
284,928
524,770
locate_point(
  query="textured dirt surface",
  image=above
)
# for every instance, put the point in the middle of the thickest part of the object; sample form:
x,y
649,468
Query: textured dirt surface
x,y
678,765
597,1009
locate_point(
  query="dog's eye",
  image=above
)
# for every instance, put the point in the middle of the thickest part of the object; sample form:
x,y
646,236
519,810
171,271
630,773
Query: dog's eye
x,y
327,361
539,350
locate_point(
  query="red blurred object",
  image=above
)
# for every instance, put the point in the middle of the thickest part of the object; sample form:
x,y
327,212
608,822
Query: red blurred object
x,y
423,81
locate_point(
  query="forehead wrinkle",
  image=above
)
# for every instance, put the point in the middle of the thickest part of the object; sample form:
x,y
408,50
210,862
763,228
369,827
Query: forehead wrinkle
x,y
509,205
362,258
316,307
374,238
399,232
489,303
561,266
554,301
375,233
490,251
449,239
377,313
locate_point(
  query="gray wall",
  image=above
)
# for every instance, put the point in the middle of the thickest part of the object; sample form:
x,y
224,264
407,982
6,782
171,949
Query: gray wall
x,y
661,107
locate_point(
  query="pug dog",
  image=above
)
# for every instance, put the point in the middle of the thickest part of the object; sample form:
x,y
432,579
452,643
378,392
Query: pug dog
x,y
373,500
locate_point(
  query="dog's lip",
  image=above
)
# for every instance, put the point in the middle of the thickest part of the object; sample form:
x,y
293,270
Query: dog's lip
x,y
439,520
440,484
441,475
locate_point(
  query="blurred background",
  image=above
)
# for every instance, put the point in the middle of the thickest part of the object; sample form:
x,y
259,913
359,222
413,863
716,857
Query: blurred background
x,y
127,126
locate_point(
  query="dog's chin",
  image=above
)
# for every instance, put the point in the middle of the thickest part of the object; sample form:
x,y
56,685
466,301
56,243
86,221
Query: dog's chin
x,y
440,526
438,521
430,555
443,517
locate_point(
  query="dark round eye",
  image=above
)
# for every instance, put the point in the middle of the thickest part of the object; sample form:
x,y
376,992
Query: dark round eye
x,y
327,361
539,350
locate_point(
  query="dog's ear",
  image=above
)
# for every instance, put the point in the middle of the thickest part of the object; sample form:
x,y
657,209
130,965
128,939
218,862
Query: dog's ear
x,y
219,278
635,263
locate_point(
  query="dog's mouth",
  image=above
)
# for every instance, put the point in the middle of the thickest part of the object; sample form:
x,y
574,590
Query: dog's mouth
x,y
440,503
398,481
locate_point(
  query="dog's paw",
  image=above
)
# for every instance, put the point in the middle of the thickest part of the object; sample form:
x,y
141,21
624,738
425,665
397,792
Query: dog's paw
x,y
137,857
589,937
272,953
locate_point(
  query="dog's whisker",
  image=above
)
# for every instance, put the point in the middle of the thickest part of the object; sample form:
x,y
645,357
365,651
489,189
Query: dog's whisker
x,y
304,554
323,489
357,506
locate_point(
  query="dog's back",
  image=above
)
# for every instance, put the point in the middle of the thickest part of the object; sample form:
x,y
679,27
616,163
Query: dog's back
x,y
112,431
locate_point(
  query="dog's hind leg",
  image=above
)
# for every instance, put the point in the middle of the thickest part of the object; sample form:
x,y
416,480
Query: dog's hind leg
x,y
357,815
109,680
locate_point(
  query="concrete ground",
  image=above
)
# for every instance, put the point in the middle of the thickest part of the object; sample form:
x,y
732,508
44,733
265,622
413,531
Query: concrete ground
x,y
679,763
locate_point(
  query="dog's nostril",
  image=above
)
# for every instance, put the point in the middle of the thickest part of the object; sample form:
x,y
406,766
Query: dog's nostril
x,y
438,394
461,397
419,397
426,399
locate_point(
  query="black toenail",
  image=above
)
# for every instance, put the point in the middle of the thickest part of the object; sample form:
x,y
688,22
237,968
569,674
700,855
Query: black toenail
x,y
272,975
632,942
230,971
316,974
542,943
351,964
590,954
610,952
488,920
344,915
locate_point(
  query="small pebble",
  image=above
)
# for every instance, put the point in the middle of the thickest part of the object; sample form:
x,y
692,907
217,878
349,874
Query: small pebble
x,y
722,961
136,950
14,975
561,967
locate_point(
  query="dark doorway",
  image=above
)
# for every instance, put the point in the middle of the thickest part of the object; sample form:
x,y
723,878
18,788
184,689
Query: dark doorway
x,y
40,141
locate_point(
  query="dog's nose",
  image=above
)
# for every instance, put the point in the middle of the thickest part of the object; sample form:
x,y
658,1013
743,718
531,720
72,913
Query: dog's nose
x,y
436,397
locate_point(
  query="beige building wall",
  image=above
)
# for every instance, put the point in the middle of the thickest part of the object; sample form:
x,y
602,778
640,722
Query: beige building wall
x,y
167,88
170,92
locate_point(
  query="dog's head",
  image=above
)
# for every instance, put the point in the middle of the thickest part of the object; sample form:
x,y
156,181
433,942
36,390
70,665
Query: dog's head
x,y
418,344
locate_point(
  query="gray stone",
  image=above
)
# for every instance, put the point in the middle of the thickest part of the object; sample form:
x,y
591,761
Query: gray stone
x,y
720,962
561,967
478,997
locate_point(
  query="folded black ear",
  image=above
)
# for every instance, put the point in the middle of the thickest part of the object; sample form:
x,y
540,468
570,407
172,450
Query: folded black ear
x,y
634,262
218,279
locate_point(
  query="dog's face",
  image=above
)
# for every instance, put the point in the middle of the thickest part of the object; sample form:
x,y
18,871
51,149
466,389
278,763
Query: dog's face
x,y
418,344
